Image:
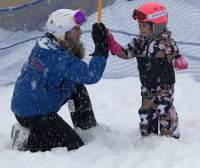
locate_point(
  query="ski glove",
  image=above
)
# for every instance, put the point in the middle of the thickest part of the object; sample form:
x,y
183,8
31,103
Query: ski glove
x,y
180,63
100,38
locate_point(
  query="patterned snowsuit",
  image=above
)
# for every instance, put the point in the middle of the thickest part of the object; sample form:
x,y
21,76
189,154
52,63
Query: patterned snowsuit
x,y
156,71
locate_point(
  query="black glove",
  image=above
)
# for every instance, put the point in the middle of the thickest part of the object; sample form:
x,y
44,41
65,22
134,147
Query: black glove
x,y
100,38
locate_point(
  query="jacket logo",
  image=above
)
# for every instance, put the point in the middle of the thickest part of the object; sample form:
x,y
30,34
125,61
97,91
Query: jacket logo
x,y
37,64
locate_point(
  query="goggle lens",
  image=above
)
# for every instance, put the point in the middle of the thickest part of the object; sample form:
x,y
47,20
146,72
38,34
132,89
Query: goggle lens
x,y
80,17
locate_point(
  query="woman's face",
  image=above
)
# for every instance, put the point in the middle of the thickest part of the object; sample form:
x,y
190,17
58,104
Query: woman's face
x,y
74,33
146,29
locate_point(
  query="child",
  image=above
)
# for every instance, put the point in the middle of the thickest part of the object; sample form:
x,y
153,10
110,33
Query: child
x,y
157,54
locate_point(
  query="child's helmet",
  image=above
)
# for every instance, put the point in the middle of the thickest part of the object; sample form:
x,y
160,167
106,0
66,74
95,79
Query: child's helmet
x,y
152,12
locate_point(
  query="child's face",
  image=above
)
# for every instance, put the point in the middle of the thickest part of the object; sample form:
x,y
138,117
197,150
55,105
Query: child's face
x,y
145,29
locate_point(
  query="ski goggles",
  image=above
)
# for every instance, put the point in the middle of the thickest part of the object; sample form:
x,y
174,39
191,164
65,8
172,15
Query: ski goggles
x,y
137,15
80,17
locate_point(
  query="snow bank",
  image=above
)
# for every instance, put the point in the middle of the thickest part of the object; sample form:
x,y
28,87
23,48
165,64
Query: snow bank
x,y
116,143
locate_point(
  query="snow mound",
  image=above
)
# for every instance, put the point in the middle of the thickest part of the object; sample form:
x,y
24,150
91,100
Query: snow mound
x,y
116,142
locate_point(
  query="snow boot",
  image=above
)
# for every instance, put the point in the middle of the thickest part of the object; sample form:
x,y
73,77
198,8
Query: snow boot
x,y
168,123
19,137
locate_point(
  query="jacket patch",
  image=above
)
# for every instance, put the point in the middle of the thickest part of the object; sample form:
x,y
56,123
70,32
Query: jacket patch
x,y
37,64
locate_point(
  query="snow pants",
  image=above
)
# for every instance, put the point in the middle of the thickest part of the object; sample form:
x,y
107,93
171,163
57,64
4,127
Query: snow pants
x,y
157,113
50,131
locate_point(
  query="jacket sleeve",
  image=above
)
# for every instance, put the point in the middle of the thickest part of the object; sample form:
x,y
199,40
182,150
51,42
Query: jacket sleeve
x,y
81,72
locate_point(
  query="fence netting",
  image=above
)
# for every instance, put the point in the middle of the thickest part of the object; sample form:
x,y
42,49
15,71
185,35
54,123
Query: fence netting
x,y
23,22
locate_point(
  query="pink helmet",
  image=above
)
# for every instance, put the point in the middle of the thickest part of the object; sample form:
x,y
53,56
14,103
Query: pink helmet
x,y
152,12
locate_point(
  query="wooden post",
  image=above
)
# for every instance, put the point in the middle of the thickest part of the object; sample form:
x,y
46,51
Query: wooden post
x,y
99,11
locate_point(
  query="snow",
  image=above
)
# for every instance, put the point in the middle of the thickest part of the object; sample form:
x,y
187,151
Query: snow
x,y
116,143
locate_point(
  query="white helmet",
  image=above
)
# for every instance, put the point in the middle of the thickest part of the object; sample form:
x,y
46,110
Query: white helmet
x,y
63,20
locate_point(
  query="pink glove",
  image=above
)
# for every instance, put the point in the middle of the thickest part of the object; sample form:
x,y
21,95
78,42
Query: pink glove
x,y
114,47
180,63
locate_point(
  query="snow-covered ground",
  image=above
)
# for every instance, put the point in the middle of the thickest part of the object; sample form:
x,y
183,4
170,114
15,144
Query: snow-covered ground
x,y
116,143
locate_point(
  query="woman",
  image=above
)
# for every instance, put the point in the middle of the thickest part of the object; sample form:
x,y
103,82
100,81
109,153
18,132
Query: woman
x,y
54,75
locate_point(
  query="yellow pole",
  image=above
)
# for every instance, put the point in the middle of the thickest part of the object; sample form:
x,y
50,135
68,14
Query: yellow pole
x,y
99,11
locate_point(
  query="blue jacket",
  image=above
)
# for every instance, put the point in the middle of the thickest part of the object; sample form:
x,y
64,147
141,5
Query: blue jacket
x,y
48,78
